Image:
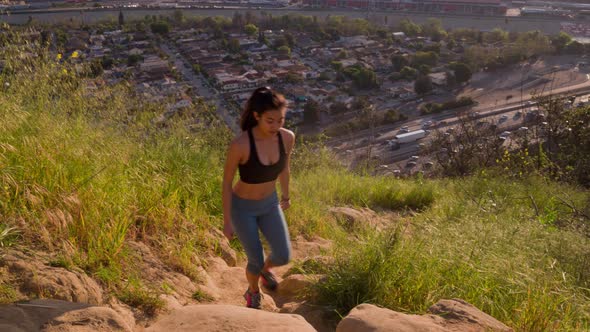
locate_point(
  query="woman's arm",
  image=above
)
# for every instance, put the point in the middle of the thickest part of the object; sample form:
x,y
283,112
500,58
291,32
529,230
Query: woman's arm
x,y
285,175
231,164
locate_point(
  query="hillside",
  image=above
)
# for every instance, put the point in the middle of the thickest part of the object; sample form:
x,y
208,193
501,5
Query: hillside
x,y
95,187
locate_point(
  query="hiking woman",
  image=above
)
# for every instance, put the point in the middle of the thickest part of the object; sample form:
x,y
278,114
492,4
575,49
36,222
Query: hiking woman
x,y
261,153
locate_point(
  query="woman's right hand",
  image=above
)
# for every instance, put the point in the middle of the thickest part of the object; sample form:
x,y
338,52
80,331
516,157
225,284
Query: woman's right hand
x,y
228,230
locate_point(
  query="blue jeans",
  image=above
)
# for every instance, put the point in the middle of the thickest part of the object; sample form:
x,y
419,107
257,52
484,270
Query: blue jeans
x,y
247,216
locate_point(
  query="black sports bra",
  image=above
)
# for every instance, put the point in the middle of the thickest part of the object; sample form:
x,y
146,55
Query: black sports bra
x,y
254,172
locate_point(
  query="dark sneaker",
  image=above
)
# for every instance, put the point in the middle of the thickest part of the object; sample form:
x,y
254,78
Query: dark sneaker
x,y
269,280
253,300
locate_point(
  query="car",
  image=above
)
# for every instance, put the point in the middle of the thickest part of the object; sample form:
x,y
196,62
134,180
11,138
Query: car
x,y
523,129
505,134
410,164
503,118
405,129
414,158
428,164
517,114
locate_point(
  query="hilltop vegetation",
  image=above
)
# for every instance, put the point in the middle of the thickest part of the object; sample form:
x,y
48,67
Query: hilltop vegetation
x,y
84,170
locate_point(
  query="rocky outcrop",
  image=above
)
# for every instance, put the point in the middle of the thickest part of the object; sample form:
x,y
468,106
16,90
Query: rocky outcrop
x,y
448,316
57,316
37,277
460,313
214,318
92,319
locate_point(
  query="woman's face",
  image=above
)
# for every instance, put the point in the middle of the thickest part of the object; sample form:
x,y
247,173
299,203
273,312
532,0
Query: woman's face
x,y
270,122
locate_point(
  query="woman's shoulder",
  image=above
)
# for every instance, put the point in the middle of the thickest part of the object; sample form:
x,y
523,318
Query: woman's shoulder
x,y
286,133
240,141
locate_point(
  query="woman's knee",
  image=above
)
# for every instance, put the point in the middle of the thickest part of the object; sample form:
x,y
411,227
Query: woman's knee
x,y
255,266
281,258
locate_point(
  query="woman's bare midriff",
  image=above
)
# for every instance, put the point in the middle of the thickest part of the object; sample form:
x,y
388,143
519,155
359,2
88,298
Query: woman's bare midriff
x,y
254,191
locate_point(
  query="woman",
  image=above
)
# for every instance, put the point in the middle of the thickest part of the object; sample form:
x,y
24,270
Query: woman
x,y
262,154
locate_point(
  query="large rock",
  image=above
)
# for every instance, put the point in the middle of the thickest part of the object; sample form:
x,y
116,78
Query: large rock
x,y
37,278
450,316
92,319
214,318
323,319
461,313
225,251
297,284
369,318
57,315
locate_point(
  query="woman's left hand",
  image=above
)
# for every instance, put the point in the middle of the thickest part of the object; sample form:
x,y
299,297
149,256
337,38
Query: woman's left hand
x,y
285,203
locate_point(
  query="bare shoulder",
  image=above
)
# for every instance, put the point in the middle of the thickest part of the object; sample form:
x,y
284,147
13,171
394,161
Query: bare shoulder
x,y
240,143
288,135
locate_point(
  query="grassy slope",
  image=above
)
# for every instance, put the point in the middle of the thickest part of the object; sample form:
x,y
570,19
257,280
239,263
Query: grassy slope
x,y
81,173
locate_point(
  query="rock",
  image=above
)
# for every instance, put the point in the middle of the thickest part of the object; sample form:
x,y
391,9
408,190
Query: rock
x,y
322,318
155,273
226,252
213,318
296,284
367,317
92,319
353,218
451,316
37,278
459,312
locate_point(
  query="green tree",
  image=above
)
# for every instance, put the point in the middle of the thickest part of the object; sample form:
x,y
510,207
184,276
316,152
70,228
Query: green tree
x,y
121,18
424,58
133,59
433,28
560,41
408,73
160,27
424,69
338,108
311,112
289,39
496,36
409,28
423,84
251,29
233,45
285,50
461,71
178,16
574,47
399,61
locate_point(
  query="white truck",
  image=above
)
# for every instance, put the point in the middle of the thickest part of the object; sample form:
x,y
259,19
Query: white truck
x,y
411,136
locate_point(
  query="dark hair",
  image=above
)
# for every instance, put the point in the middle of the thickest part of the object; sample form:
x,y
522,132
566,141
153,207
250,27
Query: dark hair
x,y
262,100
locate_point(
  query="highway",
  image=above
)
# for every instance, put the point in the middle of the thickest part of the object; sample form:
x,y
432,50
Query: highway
x,y
360,144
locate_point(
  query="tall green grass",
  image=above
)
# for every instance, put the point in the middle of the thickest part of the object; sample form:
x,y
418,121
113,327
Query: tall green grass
x,y
482,241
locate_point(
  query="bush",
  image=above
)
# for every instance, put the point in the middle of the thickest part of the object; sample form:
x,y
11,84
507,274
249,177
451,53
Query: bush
x,y
451,104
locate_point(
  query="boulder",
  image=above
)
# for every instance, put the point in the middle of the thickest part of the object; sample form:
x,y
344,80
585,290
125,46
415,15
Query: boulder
x,y
323,319
92,319
56,315
296,284
213,318
461,313
38,278
449,316
367,317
